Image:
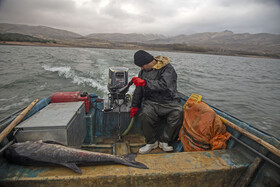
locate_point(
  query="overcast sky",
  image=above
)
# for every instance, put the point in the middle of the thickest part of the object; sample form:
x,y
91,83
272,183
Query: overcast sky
x,y
168,17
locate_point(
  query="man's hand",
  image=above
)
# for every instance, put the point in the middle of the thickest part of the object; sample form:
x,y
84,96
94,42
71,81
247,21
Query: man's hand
x,y
137,81
133,111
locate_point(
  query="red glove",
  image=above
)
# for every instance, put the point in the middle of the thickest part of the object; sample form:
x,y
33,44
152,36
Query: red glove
x,y
137,81
133,111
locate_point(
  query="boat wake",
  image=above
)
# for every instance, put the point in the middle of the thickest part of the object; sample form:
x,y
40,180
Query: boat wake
x,y
69,73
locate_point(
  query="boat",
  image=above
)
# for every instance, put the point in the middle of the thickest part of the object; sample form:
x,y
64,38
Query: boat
x,y
251,157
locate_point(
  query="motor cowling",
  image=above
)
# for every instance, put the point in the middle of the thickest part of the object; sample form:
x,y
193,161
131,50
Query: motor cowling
x,y
118,78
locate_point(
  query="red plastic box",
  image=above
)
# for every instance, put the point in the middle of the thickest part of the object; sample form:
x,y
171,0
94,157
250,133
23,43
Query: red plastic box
x,y
61,97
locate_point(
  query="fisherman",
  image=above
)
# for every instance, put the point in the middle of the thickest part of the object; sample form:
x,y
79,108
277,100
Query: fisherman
x,y
156,92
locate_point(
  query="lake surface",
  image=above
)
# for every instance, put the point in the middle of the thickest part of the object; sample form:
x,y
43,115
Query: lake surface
x,y
247,88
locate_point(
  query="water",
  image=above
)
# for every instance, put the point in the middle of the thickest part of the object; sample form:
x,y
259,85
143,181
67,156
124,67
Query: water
x,y
247,88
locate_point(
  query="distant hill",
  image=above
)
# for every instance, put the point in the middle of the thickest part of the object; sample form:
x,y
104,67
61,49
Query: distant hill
x,y
225,43
226,40
226,37
131,37
38,31
15,37
262,42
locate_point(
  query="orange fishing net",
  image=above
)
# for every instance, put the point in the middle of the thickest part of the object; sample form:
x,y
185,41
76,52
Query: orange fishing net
x,y
202,128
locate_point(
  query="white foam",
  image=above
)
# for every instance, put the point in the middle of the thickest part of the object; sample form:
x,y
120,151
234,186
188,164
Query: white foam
x,y
68,73
89,81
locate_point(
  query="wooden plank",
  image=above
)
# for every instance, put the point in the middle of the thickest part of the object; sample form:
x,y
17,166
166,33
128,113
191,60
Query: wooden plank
x,y
268,146
10,127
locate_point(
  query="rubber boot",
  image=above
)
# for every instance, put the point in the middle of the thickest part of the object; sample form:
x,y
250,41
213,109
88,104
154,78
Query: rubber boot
x,y
165,147
148,147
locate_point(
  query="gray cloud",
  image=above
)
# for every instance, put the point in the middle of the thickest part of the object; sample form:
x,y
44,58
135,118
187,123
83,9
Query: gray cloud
x,y
169,17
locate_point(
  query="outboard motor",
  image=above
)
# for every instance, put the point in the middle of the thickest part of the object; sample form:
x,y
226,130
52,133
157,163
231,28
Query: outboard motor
x,y
118,78
118,87
118,101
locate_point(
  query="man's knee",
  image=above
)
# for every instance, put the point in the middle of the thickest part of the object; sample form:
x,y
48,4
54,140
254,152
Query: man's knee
x,y
146,115
176,116
147,112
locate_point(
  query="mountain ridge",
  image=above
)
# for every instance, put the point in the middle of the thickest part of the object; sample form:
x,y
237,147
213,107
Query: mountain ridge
x,y
38,31
225,42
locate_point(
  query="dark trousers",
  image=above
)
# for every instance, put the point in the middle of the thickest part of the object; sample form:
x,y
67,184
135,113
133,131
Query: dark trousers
x,y
152,113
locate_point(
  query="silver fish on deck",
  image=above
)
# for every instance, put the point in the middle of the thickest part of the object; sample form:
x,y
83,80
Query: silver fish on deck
x,y
41,153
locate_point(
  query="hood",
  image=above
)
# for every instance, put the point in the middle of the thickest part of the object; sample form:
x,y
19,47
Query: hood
x,y
161,62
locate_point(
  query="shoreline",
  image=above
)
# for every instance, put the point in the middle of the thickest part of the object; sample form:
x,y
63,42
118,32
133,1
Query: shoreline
x,y
135,47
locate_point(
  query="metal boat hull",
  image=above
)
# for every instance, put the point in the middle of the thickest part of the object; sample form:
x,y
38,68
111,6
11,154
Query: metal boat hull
x,y
235,166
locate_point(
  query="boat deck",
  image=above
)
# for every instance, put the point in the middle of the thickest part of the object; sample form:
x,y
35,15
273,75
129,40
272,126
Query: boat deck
x,y
222,168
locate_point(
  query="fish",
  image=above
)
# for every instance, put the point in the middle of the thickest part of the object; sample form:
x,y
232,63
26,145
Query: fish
x,y
43,153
